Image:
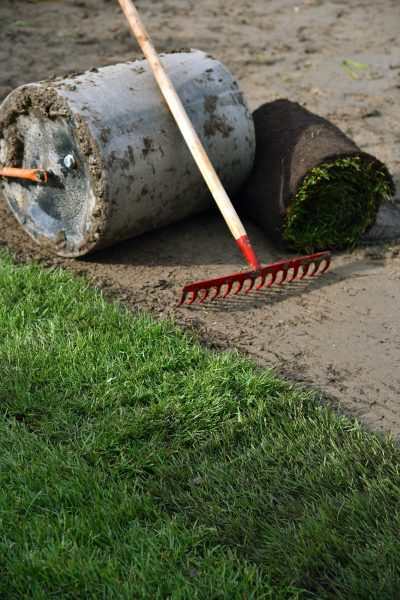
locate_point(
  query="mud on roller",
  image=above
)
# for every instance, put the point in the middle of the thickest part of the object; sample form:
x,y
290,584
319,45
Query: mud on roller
x,y
117,163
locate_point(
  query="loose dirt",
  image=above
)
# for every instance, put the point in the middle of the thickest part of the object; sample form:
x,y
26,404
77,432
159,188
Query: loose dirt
x,y
338,333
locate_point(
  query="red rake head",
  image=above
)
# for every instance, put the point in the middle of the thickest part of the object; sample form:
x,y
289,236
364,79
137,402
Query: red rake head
x,y
277,273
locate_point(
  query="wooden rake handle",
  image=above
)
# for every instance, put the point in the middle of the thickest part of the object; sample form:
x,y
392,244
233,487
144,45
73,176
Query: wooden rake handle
x,y
186,128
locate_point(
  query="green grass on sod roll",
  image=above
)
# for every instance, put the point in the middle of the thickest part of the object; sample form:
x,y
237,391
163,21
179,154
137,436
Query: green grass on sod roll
x,y
335,205
136,464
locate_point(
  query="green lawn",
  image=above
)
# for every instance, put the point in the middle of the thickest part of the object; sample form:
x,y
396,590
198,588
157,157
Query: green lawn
x,y
136,464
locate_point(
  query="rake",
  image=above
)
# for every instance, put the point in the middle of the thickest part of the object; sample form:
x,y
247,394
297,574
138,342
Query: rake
x,y
259,276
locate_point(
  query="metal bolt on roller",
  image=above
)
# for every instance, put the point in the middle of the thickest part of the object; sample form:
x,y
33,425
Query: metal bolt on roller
x,y
116,162
69,161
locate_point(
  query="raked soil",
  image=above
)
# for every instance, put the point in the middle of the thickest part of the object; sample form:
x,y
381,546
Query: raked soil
x,y
338,333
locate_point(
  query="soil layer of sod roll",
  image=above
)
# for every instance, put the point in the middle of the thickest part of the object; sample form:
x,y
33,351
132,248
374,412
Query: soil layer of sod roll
x,y
311,187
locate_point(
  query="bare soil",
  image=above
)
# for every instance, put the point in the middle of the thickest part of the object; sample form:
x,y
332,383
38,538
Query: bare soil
x,y
338,333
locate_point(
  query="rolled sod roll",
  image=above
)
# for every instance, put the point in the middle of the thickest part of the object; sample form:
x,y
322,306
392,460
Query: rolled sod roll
x,y
311,187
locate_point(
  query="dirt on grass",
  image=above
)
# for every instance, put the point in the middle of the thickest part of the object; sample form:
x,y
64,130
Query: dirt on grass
x,y
338,333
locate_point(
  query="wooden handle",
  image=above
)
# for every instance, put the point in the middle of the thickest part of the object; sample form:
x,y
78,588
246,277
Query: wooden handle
x,y
175,105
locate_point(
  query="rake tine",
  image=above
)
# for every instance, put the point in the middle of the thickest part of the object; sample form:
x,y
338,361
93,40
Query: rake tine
x,y
239,287
216,293
261,283
181,299
248,288
204,296
282,278
271,281
304,271
193,298
326,262
228,289
293,275
314,266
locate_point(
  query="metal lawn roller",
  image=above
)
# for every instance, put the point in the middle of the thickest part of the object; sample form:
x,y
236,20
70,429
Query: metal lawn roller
x,y
100,156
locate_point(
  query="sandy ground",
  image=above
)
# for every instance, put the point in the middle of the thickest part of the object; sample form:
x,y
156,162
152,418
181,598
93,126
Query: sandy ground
x,y
338,333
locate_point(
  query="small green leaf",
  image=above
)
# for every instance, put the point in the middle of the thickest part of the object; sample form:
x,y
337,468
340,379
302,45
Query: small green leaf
x,y
351,65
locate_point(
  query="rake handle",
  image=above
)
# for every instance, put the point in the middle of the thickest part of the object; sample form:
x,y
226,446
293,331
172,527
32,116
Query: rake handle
x,y
189,134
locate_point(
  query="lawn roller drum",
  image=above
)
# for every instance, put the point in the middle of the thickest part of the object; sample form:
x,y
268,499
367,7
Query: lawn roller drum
x,y
112,155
